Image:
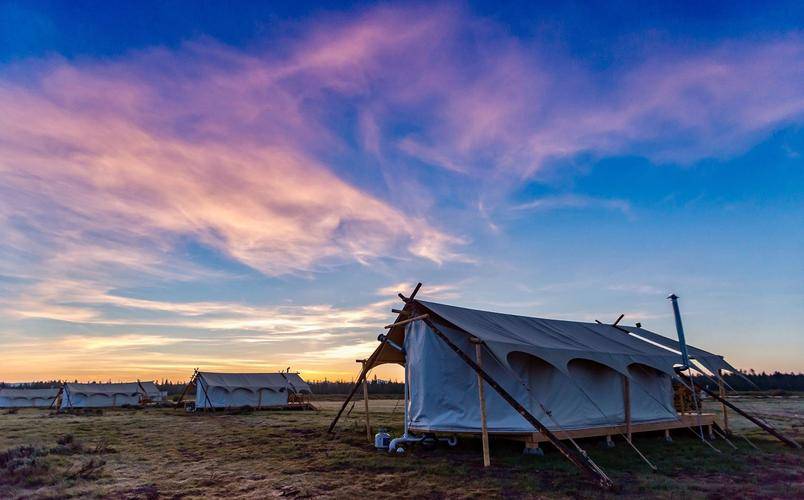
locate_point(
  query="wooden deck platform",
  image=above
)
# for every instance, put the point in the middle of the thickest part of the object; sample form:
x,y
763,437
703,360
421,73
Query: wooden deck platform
x,y
684,421
532,440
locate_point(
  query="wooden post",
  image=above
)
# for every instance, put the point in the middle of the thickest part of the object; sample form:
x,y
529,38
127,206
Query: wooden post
x,y
722,392
682,394
627,405
482,395
365,400
581,460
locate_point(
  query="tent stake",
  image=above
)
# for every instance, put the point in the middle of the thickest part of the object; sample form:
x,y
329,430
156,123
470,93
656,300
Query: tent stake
x,y
482,396
582,461
762,425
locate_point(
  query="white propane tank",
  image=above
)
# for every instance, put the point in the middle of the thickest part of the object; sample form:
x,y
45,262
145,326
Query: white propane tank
x,y
382,439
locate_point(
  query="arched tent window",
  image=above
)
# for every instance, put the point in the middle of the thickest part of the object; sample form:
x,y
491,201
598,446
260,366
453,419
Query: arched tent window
x,y
567,398
602,390
242,396
651,394
218,396
542,379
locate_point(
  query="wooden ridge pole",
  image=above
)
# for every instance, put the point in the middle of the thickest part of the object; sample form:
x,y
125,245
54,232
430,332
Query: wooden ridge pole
x,y
481,394
583,462
405,321
759,423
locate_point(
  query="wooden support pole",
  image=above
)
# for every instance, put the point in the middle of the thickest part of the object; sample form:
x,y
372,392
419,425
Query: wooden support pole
x,y
758,422
480,391
580,460
360,379
405,321
627,405
365,400
207,401
369,362
682,398
722,393
184,392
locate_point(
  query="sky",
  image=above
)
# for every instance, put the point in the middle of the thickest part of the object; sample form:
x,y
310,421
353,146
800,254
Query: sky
x,y
245,186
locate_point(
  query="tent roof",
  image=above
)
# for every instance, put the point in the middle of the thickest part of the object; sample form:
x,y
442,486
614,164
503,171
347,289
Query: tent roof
x,y
555,341
255,381
150,387
108,389
297,383
12,392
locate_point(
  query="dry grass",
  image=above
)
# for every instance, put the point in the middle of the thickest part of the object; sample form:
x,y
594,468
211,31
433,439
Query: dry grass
x,y
170,454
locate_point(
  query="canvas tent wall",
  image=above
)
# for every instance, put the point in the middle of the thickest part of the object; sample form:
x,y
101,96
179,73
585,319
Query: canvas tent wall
x,y
574,370
101,395
152,392
238,390
11,397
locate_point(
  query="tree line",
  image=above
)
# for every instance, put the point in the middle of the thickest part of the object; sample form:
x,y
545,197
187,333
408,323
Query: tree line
x,y
762,381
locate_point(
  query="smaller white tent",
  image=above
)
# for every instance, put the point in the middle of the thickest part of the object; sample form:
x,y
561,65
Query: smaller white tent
x,y
102,395
152,392
11,397
238,390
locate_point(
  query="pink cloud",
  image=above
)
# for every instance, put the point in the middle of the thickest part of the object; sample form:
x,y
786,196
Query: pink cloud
x,y
243,149
205,142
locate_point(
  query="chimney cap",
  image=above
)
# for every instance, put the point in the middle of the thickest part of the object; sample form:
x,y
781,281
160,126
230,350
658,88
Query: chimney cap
x,y
672,296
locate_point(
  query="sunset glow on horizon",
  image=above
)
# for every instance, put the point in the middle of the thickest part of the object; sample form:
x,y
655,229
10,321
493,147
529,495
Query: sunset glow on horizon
x,y
252,198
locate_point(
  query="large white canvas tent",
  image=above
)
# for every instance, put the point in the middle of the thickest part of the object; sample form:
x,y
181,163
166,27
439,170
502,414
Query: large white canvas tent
x,y
471,371
574,370
255,390
102,395
11,397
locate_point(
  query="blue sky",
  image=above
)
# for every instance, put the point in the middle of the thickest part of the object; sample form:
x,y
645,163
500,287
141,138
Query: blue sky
x,y
246,187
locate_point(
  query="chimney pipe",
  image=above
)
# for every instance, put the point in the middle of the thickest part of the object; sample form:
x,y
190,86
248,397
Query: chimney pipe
x,y
685,360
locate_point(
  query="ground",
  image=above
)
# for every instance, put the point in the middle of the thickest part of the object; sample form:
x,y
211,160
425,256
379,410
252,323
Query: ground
x,y
167,453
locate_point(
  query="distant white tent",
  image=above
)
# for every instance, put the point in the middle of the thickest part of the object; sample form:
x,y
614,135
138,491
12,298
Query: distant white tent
x,y
102,395
152,392
11,397
255,390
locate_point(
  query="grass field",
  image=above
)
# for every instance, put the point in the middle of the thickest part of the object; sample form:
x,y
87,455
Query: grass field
x,y
166,453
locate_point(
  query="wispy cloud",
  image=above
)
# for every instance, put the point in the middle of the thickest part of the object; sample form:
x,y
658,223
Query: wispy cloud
x,y
305,154
639,289
574,202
